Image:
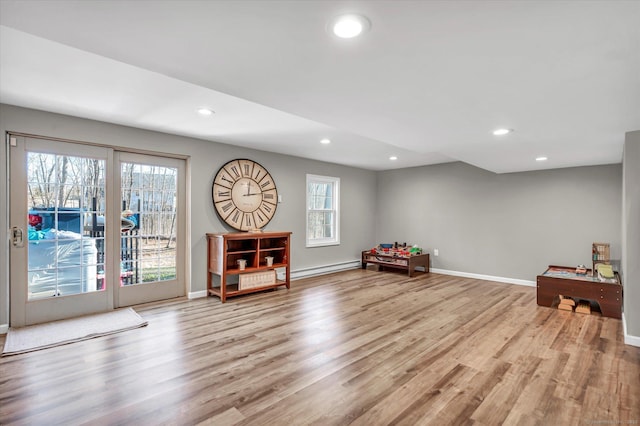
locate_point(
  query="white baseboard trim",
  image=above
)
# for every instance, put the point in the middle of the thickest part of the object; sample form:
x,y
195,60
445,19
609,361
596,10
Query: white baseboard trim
x,y
325,269
629,339
197,294
4,328
353,264
485,277
299,273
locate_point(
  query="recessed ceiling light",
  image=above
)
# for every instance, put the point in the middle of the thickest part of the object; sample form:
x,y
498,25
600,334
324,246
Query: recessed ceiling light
x,y
393,158
205,111
502,132
325,141
541,158
349,26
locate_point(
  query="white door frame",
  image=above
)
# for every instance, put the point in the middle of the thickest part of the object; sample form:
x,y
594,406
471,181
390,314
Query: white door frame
x,y
23,311
158,290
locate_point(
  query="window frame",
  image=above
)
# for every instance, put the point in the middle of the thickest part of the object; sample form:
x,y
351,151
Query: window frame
x,y
323,242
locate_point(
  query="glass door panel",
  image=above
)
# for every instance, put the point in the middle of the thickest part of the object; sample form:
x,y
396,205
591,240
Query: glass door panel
x,y
152,243
148,249
65,256
58,195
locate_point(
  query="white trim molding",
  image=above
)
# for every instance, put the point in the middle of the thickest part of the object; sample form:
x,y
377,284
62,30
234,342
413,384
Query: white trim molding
x,y
353,264
300,273
325,269
629,339
197,294
485,277
4,328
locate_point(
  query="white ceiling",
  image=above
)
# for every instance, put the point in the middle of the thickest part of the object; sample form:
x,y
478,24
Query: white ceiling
x,y
428,83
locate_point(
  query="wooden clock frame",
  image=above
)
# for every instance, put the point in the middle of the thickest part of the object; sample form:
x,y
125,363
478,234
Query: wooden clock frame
x,y
244,195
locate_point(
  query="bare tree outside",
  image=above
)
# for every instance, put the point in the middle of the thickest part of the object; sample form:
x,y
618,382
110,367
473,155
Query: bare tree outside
x,y
68,193
65,255
149,195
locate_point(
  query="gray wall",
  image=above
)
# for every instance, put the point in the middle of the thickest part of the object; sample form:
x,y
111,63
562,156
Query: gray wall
x,y
631,232
509,225
505,225
358,188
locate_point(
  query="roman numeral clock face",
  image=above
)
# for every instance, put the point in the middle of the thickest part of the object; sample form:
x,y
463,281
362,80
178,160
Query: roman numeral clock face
x,y
244,195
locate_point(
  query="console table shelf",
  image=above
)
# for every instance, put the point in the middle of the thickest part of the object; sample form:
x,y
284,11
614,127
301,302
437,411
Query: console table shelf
x,y
226,249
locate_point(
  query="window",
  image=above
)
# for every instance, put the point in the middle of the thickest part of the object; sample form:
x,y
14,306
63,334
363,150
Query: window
x,y
323,213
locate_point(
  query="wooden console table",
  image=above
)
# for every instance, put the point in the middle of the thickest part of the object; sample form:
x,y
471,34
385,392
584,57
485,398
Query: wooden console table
x,y
563,280
408,263
224,251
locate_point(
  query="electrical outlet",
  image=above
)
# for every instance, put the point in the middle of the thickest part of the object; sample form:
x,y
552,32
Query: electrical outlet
x,y
436,252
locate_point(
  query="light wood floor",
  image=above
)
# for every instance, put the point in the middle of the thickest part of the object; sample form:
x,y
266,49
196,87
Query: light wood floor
x,y
359,347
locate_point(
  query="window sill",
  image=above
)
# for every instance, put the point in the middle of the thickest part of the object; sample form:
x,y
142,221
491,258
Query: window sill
x,y
322,244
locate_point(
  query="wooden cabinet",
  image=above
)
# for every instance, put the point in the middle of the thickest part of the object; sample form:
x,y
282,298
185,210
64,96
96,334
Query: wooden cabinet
x,y
226,252
407,263
562,280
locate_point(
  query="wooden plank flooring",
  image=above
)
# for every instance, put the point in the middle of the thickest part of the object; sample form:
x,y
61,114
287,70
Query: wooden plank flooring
x,y
359,347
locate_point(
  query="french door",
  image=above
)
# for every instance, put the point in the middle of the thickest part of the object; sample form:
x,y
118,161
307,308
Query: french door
x,y
152,253
58,269
92,229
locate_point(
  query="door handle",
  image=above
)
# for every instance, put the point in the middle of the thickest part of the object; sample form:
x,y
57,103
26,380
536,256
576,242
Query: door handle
x,y
17,237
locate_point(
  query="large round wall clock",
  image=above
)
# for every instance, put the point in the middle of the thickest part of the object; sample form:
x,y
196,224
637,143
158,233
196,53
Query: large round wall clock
x,y
244,195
